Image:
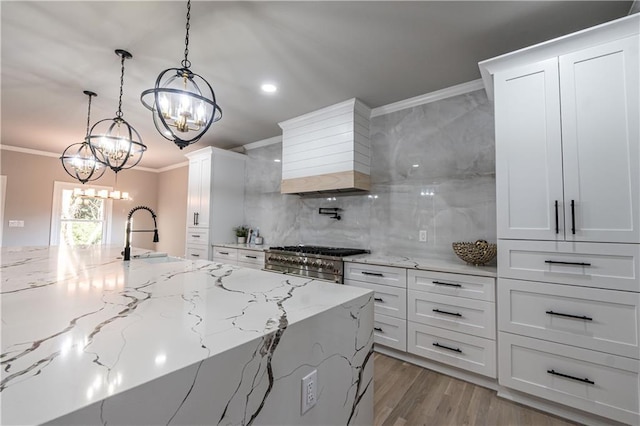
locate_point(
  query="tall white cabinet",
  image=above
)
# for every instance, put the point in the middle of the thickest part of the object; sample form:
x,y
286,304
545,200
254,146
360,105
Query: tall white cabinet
x,y
567,115
215,199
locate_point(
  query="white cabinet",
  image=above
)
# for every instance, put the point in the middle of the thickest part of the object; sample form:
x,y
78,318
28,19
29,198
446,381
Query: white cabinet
x,y
215,198
567,146
567,117
249,258
390,300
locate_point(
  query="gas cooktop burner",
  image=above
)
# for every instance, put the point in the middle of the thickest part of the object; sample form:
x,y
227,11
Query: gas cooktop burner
x,y
324,251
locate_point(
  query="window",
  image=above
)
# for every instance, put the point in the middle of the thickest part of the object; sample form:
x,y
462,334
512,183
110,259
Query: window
x,y
77,220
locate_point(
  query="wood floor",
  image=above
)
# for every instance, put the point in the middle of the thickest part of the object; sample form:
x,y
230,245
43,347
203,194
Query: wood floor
x,y
408,395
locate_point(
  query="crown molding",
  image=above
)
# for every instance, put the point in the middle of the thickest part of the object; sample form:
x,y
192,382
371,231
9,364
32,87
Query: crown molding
x,y
427,98
262,143
54,155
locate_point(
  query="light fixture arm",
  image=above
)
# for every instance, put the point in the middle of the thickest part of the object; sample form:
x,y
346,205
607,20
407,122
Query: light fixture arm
x,y
186,63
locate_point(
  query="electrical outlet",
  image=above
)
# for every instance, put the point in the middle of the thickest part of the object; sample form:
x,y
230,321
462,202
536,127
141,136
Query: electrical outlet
x,y
422,236
309,391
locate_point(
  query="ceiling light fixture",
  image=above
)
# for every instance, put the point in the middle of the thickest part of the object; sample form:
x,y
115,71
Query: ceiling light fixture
x,y
78,160
103,193
269,88
182,113
113,141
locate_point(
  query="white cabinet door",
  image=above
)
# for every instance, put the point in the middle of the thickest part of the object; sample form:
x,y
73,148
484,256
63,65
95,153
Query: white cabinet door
x,y
601,144
529,152
205,192
193,191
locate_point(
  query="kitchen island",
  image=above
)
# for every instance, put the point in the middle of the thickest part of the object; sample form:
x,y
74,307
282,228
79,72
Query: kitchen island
x,y
90,339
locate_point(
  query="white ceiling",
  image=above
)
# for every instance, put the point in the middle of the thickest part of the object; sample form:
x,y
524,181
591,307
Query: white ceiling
x,y
318,53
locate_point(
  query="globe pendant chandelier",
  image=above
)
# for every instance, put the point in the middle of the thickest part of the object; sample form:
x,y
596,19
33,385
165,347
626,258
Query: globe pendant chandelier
x,y
113,141
183,103
78,160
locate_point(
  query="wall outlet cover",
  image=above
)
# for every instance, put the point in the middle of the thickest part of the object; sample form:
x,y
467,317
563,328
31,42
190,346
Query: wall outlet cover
x,y
422,236
309,391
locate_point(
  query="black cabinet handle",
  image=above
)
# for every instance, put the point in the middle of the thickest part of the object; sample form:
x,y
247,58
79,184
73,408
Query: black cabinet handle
x,y
455,314
195,236
447,284
195,255
447,347
378,299
223,252
252,257
557,262
378,329
557,222
566,376
194,218
373,274
570,316
573,217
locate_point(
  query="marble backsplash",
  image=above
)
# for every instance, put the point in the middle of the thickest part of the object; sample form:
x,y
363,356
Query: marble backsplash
x,y
433,168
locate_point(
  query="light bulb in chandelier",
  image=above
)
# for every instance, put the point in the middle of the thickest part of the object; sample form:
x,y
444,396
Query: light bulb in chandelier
x,y
78,160
113,141
183,103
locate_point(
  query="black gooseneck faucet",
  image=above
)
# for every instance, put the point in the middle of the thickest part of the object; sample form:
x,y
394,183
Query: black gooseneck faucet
x,y
127,244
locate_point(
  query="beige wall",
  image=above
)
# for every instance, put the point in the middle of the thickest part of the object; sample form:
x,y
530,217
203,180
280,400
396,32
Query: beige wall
x,y
29,198
172,210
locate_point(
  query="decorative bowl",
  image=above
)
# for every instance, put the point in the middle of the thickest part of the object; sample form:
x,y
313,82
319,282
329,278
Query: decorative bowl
x,y
477,253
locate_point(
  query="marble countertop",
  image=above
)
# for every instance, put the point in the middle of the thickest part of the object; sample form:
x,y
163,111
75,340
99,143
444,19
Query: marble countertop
x,y
80,325
242,246
439,265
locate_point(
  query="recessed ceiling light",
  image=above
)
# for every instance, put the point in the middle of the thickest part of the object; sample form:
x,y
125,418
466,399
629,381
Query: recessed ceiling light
x,y
277,160
416,165
269,88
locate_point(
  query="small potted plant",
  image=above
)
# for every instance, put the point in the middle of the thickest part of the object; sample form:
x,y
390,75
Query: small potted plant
x,y
241,232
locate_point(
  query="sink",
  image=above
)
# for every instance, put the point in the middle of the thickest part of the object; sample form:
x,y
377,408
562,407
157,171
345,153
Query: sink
x,y
161,259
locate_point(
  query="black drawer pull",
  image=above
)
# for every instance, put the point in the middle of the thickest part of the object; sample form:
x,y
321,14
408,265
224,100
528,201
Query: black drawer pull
x,y
223,252
195,236
252,257
378,329
447,347
569,316
373,274
557,223
378,299
566,376
448,284
455,314
573,217
557,262
195,255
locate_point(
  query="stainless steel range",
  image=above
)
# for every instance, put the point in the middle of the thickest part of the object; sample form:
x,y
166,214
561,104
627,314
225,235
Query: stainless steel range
x,y
324,263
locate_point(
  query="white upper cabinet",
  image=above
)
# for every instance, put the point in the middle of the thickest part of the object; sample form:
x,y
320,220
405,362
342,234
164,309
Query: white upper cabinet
x,y
600,141
528,152
198,196
567,146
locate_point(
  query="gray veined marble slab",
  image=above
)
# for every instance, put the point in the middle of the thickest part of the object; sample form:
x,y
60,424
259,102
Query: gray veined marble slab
x,y
433,264
90,339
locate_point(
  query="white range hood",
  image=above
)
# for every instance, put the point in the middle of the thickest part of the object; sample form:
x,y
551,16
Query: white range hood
x,y
327,151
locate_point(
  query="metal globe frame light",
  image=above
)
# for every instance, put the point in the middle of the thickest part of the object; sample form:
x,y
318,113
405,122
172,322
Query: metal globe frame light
x,y
183,103
78,159
113,141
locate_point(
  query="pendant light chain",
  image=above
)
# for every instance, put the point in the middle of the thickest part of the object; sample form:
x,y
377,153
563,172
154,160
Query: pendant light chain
x,y
88,116
186,63
119,113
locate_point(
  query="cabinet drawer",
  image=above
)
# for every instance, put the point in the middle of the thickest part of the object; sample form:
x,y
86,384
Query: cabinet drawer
x,y
388,300
197,252
224,254
459,350
390,331
386,275
599,383
197,236
613,266
604,320
475,317
482,288
250,265
254,257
